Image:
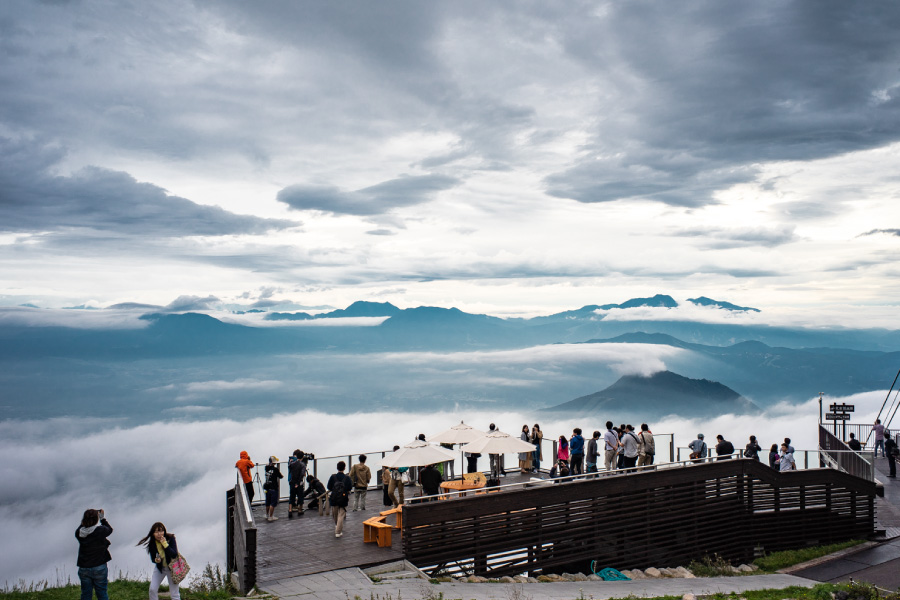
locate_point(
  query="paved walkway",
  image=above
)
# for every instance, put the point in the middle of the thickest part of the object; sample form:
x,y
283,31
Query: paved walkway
x,y
880,564
347,584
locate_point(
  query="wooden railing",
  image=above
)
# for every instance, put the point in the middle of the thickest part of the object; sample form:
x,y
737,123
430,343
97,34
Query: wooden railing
x,y
655,518
241,537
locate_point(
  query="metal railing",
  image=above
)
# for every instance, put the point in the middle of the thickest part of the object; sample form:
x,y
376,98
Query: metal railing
x,y
839,456
536,482
241,536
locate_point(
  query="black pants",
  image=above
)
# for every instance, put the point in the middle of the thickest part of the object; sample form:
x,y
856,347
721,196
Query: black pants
x,y
296,496
892,465
250,491
472,466
629,462
576,464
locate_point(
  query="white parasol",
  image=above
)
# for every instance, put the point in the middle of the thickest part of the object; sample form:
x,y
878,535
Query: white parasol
x,y
458,434
417,454
497,442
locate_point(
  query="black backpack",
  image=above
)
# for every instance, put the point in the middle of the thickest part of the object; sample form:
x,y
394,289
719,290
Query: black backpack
x,y
340,495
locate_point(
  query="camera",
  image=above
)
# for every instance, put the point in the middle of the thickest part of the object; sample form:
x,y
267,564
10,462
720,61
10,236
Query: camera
x,y
309,456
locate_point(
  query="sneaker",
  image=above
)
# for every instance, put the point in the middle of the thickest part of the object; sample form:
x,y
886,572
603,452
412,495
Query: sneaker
x,y
269,519
274,518
338,535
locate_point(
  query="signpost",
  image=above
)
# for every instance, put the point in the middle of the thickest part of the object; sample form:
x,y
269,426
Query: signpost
x,y
840,412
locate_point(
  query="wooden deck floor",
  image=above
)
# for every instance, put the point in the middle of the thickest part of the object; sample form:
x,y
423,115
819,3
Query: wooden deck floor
x,y
306,545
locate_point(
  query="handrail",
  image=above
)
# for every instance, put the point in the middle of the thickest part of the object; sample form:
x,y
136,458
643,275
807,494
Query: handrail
x,y
587,476
245,501
841,457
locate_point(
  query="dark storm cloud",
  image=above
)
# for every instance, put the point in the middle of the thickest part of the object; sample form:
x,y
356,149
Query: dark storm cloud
x,y
709,89
101,200
374,200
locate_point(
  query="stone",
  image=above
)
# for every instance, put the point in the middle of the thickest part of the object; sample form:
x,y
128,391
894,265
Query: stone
x,y
688,597
580,577
667,572
754,567
472,579
593,577
735,570
745,569
637,574
626,573
544,579
532,579
567,577
684,573
554,577
520,579
652,572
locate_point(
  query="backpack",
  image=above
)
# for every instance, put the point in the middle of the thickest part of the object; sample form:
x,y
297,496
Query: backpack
x,y
271,481
649,447
340,495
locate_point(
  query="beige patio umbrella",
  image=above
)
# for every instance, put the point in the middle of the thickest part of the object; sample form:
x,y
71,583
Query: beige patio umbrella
x,y
417,454
497,442
458,434
461,434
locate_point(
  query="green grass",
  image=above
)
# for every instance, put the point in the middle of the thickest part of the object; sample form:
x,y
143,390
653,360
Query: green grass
x,y
821,591
118,590
780,560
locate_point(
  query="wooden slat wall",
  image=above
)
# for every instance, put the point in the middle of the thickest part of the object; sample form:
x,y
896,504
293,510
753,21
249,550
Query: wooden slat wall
x,y
657,518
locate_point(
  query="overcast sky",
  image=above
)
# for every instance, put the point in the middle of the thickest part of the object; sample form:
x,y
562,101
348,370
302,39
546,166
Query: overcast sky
x,y
503,157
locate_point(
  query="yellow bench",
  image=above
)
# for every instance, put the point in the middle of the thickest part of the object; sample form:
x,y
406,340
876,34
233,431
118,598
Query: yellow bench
x,y
395,511
376,530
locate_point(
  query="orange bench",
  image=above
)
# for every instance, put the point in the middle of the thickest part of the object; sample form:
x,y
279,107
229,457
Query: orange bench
x,y
376,530
395,511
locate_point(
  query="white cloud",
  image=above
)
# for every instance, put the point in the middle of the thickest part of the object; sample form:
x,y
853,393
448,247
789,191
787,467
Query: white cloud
x,y
54,469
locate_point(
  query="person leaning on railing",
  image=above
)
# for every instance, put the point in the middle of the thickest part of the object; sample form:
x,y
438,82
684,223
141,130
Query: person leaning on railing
x,y
890,449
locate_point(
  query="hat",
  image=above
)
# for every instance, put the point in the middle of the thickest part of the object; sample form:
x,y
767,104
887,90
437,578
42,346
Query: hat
x,y
699,436
273,459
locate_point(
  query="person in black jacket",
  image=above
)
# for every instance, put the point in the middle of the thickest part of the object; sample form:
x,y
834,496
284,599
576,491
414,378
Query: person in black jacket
x,y
339,485
163,551
93,554
431,480
724,448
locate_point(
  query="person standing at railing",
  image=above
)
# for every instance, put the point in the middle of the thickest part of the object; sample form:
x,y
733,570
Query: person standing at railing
x,y
296,482
724,448
786,459
272,487
854,444
562,450
243,466
698,449
525,457
360,475
629,448
752,449
592,454
646,446
576,448
878,429
537,437
774,457
610,446
890,449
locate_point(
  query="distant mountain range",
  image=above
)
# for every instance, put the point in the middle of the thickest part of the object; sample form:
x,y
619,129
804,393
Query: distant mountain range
x,y
663,393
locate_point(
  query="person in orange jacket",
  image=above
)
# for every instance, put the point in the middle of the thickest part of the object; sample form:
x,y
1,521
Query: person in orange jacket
x,y
243,466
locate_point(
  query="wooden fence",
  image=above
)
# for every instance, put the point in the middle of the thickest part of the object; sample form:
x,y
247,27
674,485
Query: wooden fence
x,y
734,508
241,537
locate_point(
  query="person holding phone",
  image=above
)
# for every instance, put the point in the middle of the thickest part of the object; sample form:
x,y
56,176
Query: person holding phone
x,y
93,553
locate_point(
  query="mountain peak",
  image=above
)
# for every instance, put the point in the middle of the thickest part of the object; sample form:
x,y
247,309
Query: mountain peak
x,y
704,301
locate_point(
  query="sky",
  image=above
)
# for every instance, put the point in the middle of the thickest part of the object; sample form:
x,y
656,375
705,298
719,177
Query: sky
x,y
511,158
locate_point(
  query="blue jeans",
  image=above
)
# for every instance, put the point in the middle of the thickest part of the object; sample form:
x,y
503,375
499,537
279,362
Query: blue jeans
x,y
94,579
879,443
536,460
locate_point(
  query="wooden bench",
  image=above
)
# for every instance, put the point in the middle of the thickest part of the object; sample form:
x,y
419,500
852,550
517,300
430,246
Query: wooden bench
x,y
395,511
376,530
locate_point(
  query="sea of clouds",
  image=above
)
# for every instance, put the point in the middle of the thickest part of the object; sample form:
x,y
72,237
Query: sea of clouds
x,y
178,473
